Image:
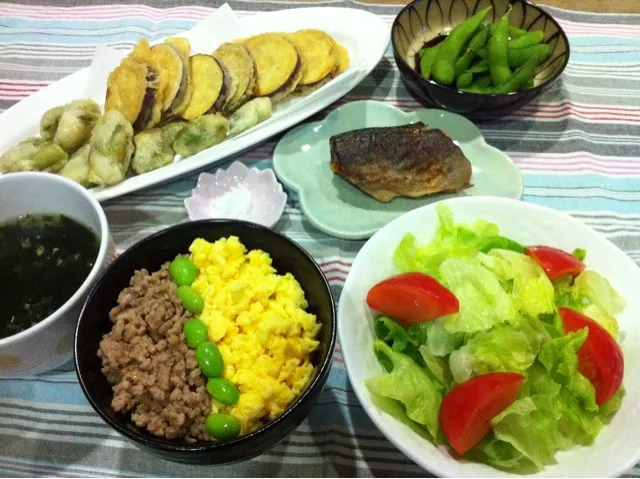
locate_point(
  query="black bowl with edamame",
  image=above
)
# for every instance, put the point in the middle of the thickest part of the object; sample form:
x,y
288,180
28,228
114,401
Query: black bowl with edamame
x,y
151,253
460,87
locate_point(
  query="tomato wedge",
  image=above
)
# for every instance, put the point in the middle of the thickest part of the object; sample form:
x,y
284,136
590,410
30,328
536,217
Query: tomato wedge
x,y
466,412
412,298
600,358
554,261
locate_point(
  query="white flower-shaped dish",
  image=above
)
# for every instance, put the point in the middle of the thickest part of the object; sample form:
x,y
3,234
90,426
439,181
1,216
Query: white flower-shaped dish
x,y
239,193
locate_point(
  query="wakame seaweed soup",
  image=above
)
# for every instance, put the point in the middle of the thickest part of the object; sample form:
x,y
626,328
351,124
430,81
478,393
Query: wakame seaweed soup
x,y
43,261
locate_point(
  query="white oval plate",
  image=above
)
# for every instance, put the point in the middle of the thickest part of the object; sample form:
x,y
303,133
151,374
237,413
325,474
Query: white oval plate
x,y
617,447
363,34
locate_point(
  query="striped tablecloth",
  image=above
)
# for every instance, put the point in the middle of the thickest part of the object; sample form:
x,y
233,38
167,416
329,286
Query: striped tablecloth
x,y
577,146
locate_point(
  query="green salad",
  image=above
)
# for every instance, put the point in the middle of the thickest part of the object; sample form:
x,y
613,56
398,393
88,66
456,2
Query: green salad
x,y
503,352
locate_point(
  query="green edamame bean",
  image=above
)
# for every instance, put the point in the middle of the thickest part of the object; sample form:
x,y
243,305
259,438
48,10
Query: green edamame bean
x,y
498,53
209,359
479,85
195,332
526,40
517,56
481,82
444,67
222,426
514,32
183,271
191,300
464,80
427,60
526,86
479,67
483,53
476,43
223,391
520,77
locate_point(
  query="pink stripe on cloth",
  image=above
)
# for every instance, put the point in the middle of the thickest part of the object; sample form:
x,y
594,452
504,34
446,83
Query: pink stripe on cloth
x,y
579,161
116,12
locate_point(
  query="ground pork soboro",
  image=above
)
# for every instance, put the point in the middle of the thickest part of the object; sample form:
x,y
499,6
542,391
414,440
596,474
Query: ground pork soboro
x,y
154,374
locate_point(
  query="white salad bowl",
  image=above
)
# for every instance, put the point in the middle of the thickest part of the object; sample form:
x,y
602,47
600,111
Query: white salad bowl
x,y
617,447
49,343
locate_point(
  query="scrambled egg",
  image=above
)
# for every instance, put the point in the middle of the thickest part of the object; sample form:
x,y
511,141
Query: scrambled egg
x,y
257,319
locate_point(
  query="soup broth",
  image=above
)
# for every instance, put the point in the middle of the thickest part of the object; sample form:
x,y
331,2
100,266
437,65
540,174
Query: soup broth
x,y
43,261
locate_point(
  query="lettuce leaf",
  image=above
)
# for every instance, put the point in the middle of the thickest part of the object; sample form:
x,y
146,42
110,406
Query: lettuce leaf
x,y
531,290
411,385
501,455
451,241
440,341
396,336
592,295
530,426
483,301
438,367
501,349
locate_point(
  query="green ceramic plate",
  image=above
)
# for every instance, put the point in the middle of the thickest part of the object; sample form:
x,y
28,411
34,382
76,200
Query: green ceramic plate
x,y
301,161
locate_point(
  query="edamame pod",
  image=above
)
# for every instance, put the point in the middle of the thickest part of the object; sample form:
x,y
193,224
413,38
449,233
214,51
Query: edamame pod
x,y
427,60
481,82
514,32
476,43
479,67
526,86
479,85
520,77
518,56
464,80
498,53
444,67
526,40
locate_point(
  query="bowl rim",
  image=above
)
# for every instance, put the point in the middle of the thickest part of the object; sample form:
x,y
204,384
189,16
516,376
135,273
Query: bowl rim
x,y
169,446
360,391
537,88
103,236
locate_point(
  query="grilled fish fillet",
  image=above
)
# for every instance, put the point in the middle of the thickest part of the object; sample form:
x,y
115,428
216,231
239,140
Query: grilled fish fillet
x,y
410,160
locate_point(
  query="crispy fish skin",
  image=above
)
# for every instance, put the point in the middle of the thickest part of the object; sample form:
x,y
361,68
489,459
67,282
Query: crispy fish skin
x,y
242,70
318,54
277,61
208,79
410,160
